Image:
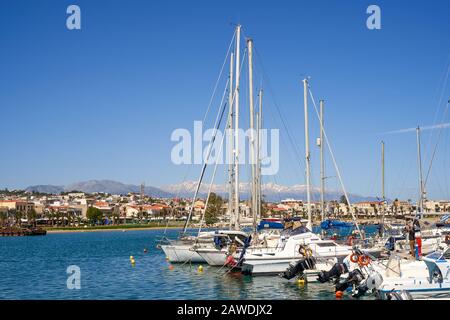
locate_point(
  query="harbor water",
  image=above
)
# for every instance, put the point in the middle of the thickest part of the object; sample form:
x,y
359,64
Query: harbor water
x,y
36,268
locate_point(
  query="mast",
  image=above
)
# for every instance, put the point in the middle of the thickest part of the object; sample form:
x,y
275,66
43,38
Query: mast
x,y
322,167
307,154
419,162
252,129
236,128
231,210
258,156
383,195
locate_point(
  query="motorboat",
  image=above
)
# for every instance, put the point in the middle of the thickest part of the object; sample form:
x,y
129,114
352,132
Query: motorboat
x,y
265,262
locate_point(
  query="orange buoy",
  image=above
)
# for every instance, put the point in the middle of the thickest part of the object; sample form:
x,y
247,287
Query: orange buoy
x,y
339,294
170,267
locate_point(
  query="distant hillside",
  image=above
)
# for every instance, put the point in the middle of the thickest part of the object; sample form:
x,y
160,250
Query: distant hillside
x,y
271,191
107,186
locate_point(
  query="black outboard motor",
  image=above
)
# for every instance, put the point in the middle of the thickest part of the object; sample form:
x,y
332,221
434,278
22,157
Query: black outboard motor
x,y
298,267
334,273
354,278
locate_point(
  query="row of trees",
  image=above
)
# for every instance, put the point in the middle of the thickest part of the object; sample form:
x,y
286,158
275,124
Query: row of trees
x,y
17,217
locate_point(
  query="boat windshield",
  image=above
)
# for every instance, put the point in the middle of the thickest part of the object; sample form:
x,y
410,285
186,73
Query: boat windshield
x,y
293,232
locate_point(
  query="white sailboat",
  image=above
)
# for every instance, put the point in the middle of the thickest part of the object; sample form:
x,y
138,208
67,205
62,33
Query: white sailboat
x,y
182,250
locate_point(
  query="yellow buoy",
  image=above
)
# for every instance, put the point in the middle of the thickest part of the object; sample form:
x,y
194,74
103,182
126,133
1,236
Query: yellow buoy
x,y
301,281
167,258
200,268
131,258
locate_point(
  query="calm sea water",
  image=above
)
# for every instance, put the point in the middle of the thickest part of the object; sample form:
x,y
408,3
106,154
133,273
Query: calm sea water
x,y
35,268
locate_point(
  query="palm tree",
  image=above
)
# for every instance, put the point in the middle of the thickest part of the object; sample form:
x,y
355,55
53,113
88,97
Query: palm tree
x,y
3,217
18,217
31,216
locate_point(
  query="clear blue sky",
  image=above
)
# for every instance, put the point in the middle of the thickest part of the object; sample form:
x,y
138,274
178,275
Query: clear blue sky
x,y
102,102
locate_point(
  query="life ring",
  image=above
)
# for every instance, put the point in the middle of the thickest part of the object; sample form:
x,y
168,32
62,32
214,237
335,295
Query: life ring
x,y
304,251
363,260
354,258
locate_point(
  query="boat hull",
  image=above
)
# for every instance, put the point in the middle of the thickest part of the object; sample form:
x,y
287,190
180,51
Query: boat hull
x,y
180,253
213,257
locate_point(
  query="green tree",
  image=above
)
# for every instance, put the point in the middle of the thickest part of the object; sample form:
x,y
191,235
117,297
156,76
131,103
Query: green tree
x,y
3,217
94,214
31,216
18,217
343,199
214,208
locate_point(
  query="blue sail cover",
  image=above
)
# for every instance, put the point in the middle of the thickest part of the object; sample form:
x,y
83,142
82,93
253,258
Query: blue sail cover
x,y
330,224
270,225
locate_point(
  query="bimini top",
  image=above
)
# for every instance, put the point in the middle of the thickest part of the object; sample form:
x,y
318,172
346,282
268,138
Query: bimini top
x,y
265,224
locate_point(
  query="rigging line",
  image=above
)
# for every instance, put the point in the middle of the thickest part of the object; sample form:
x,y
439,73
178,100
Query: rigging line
x,y
213,138
435,146
294,146
217,125
334,163
212,179
220,75
444,85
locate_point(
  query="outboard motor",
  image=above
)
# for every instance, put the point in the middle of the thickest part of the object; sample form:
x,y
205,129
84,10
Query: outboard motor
x,y
334,273
373,281
298,267
354,278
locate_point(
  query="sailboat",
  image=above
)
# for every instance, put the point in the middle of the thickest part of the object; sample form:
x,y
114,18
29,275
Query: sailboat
x,y
183,249
217,255
290,250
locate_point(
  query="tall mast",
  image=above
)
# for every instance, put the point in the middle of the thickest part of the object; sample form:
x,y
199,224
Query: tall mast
x,y
258,157
419,161
307,155
231,210
383,195
252,129
236,128
322,167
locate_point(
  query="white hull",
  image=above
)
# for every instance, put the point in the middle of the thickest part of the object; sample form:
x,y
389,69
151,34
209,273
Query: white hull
x,y
213,257
179,253
428,292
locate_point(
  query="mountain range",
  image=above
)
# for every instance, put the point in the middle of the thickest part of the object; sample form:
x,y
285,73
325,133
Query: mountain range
x,y
270,191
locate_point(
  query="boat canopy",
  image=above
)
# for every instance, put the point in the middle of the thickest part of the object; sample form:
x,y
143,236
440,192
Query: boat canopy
x,y
330,224
270,225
